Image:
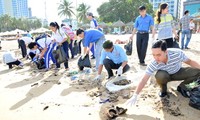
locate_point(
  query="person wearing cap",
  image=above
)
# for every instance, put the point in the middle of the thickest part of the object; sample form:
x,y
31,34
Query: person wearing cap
x,y
142,25
112,57
167,63
93,25
90,37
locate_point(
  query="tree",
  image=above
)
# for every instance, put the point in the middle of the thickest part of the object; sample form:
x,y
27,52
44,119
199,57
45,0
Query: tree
x,y
125,10
65,9
82,10
8,23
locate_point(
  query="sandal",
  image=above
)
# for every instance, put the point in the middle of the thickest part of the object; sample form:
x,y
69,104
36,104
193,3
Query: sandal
x,y
112,113
121,110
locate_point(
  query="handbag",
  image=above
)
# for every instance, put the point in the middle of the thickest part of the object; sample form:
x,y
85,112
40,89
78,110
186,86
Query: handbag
x,y
84,62
60,55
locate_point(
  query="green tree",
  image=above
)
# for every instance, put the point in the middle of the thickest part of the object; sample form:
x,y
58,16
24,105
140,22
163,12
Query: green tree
x,y
82,10
66,9
125,10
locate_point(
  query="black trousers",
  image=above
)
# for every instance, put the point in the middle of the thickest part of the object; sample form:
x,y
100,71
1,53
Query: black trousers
x,y
142,44
23,48
169,42
17,62
109,65
79,46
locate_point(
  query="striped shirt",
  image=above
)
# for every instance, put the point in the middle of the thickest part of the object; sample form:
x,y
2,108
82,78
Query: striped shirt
x,y
173,65
165,27
185,21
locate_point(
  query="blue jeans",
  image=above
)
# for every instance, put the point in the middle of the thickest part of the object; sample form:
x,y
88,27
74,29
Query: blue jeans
x,y
187,34
98,49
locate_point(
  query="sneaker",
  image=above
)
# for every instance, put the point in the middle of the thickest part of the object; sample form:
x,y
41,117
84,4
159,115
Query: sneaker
x,y
142,64
187,48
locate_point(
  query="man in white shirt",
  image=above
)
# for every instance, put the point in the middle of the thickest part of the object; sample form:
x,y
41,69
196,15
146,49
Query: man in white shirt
x,y
23,42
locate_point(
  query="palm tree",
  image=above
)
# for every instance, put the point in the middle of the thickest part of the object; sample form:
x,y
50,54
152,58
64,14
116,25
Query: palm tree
x,y
65,9
82,10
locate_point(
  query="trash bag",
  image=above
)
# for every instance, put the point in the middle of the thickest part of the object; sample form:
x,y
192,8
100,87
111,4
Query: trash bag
x,y
128,47
60,55
84,62
40,63
75,48
195,98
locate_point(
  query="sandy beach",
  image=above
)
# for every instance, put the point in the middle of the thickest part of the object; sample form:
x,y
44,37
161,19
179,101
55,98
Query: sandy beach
x,y
29,94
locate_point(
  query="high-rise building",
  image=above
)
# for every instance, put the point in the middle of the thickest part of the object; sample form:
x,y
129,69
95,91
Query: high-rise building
x,y
14,8
192,5
174,6
29,12
2,7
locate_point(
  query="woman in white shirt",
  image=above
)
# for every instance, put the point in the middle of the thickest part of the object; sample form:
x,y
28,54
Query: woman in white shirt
x,y
61,39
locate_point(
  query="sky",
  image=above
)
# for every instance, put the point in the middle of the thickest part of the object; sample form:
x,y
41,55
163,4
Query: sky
x,y
38,8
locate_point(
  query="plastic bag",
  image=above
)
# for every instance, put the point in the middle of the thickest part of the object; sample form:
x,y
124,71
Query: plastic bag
x,y
60,55
128,48
195,98
84,62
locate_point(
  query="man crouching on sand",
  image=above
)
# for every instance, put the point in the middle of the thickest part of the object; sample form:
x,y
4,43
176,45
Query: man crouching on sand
x,y
168,64
112,57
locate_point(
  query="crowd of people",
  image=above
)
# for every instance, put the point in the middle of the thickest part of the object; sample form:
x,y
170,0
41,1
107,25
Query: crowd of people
x,y
167,61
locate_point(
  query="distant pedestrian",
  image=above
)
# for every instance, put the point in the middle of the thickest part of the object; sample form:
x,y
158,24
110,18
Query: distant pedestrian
x,y
185,22
18,36
192,27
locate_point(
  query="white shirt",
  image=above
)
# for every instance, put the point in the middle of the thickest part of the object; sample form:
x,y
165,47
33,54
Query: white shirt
x,y
192,26
37,51
44,42
93,24
59,35
27,40
9,57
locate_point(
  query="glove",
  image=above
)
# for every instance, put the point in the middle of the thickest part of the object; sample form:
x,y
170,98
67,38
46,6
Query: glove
x,y
120,70
98,77
132,100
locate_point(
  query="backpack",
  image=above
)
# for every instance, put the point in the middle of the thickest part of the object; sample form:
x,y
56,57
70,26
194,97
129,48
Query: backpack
x,y
40,37
128,47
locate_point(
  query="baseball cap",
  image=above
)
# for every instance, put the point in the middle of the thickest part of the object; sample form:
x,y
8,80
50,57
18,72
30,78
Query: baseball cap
x,y
89,14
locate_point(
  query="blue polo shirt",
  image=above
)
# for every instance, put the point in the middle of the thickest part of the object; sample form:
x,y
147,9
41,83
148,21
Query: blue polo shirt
x,y
91,36
143,23
118,55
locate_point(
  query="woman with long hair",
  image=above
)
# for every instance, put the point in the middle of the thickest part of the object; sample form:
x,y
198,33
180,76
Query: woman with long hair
x,y
165,25
61,39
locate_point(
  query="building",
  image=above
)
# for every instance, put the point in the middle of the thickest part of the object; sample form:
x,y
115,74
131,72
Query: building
x,y
174,6
192,5
2,9
29,12
15,8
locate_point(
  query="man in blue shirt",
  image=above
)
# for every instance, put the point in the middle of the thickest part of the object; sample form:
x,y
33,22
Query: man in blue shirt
x,y
142,26
90,37
112,57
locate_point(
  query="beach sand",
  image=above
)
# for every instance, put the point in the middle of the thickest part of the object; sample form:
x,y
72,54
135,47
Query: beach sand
x,y
27,94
